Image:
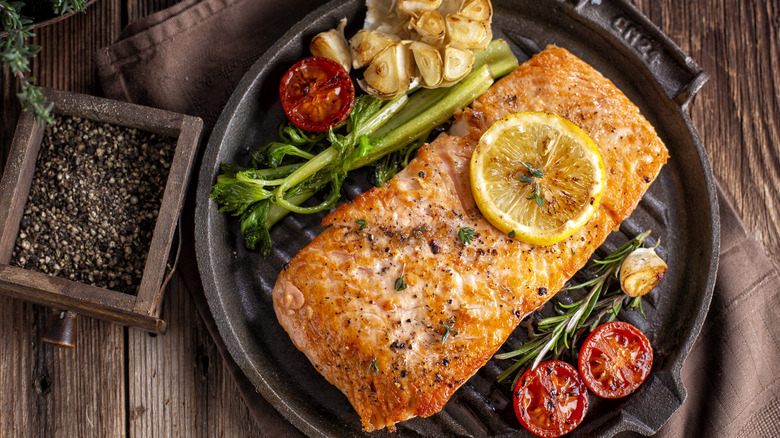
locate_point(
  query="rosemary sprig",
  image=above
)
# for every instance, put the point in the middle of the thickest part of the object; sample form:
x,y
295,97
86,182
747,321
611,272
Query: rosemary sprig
x,y
560,332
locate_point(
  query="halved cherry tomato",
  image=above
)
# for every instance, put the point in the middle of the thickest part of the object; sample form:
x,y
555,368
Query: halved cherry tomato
x,y
316,93
615,359
551,399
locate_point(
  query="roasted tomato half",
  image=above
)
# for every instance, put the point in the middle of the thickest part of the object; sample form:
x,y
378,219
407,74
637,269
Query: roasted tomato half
x,y
615,359
551,399
316,94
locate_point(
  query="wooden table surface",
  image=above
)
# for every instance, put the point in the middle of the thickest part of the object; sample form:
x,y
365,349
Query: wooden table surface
x,y
125,382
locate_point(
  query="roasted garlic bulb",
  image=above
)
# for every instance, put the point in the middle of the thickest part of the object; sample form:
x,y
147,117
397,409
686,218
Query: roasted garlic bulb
x,y
642,270
406,43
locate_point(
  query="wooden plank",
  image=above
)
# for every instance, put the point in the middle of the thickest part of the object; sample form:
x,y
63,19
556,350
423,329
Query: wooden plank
x,y
47,390
149,293
52,391
15,182
182,387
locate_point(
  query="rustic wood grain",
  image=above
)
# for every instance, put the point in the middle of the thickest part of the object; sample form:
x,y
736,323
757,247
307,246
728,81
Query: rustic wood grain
x,y
737,112
124,382
183,388
51,391
46,390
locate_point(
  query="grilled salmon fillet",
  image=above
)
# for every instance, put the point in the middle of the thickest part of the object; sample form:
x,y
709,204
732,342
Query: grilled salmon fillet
x,y
392,308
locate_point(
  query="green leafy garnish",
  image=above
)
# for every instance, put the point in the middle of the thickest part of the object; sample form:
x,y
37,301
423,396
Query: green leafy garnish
x,y
400,284
536,172
362,222
373,367
537,196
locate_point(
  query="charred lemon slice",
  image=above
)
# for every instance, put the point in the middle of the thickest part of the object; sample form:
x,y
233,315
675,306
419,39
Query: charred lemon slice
x,y
537,177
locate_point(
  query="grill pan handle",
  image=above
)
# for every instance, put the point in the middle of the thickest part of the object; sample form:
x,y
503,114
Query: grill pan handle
x,y
677,73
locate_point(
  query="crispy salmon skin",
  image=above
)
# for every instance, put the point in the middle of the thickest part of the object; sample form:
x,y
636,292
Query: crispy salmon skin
x,y
391,307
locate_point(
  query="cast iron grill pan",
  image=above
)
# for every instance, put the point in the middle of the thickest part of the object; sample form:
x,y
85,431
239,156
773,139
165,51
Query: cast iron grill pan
x,y
680,208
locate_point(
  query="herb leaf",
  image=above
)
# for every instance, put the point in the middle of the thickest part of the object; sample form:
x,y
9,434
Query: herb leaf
x,y
373,367
537,195
537,172
466,234
400,284
362,223
447,330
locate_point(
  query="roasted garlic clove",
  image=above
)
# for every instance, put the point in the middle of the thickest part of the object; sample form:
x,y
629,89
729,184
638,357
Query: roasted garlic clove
x,y
333,45
416,7
390,72
429,63
430,28
642,270
465,33
367,44
457,64
480,10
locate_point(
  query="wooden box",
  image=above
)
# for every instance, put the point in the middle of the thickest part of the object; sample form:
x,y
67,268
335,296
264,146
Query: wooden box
x,y
141,310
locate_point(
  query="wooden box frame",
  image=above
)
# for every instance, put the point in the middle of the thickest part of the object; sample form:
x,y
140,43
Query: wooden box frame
x,y
141,310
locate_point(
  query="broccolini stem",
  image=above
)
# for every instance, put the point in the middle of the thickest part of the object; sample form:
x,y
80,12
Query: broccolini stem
x,y
420,108
329,155
437,114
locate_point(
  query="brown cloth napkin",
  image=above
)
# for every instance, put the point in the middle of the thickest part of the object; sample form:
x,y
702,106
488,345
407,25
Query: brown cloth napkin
x,y
190,57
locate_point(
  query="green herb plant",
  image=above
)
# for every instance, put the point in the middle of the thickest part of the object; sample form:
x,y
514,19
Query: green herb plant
x,y
559,333
285,173
16,51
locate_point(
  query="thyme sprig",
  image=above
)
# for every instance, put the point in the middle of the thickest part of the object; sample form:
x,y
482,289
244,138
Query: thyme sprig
x,y
561,332
447,330
536,172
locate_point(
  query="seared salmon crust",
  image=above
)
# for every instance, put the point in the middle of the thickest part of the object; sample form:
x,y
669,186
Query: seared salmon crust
x,y
397,311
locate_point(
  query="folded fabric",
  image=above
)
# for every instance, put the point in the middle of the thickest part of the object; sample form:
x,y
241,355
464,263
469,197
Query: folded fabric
x,y
190,57
732,374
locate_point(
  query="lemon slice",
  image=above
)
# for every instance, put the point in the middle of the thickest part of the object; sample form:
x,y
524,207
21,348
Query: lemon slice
x,y
537,177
